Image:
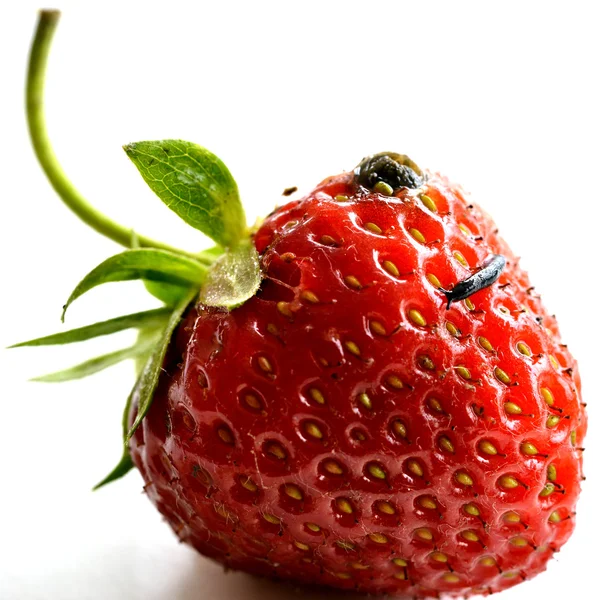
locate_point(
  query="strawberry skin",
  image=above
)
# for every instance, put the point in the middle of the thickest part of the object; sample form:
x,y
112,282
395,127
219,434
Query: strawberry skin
x,y
344,428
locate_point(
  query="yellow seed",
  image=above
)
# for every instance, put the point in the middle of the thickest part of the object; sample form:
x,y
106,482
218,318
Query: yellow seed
x,y
391,268
472,509
547,396
529,449
265,364
383,188
417,235
464,229
302,546
435,282
470,536
417,318
386,507
485,344
353,282
378,538
400,562
341,198
554,517
519,542
221,510
554,361
424,534
487,561
313,430
400,575
552,421
343,575
524,349
333,467
293,491
469,304
445,444
463,478
225,435
439,557
551,472
284,309
274,449
573,438
352,348
253,402
451,578
272,329
359,566
426,363
344,505
309,297
501,375
376,471
463,372
428,502
248,484
511,517
429,203
288,257
399,428
435,405
373,228
377,328
512,409
508,482
395,382
547,490
365,400
316,395
271,519
344,545
460,258
327,240
313,527
414,467
509,575
488,448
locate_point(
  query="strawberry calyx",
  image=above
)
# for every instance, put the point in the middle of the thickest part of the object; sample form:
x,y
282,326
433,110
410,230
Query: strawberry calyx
x,y
198,187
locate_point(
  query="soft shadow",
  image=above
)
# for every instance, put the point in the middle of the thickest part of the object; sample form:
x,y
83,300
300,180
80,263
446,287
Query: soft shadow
x,y
208,581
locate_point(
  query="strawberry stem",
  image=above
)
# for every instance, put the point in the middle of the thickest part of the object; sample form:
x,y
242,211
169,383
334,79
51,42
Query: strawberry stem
x,y
38,59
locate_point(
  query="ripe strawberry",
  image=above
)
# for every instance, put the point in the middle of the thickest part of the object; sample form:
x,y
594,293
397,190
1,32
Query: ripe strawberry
x,y
364,393
343,427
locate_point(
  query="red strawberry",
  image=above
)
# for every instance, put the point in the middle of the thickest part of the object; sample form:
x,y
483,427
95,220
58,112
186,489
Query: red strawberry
x,y
364,393
342,427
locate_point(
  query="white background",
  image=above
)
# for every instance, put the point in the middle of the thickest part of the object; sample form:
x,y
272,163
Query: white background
x,y
501,96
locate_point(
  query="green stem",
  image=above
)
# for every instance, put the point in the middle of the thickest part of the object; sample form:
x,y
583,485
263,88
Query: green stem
x,y
38,59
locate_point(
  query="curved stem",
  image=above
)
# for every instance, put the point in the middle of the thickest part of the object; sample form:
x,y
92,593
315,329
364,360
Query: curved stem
x,y
38,59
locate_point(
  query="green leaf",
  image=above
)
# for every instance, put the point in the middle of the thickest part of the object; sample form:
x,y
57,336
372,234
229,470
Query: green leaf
x,y
149,318
89,367
125,464
193,183
148,379
144,263
234,278
123,467
168,293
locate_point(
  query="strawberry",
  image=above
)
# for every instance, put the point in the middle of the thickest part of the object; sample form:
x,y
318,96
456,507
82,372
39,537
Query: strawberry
x,y
365,392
